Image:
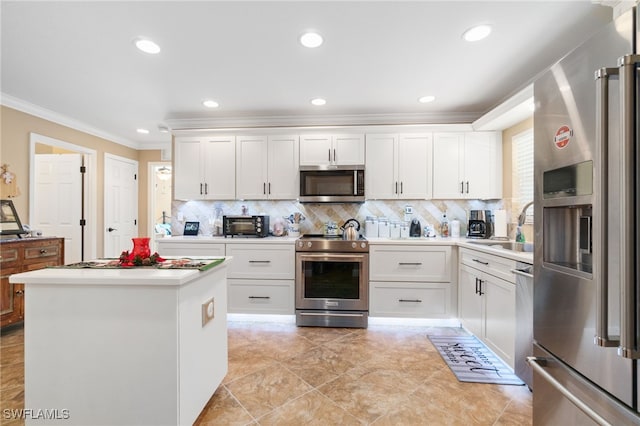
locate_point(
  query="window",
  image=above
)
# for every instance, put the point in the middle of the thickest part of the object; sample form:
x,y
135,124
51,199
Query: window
x,y
522,161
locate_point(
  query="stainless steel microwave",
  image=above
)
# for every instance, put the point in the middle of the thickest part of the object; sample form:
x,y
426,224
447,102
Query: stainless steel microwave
x,y
245,226
331,184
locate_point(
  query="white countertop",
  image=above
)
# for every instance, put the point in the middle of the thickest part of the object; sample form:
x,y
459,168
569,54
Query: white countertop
x,y
114,277
222,240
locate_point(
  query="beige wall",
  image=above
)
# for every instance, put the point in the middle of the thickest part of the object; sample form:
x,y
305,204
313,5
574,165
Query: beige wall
x,y
507,176
14,150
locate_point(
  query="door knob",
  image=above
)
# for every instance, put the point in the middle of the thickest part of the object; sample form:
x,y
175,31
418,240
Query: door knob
x,y
110,229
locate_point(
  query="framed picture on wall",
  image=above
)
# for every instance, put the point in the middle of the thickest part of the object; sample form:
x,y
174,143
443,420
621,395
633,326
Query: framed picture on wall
x,y
9,221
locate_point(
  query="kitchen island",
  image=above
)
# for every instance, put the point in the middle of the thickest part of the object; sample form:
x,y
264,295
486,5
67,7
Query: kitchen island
x,y
123,346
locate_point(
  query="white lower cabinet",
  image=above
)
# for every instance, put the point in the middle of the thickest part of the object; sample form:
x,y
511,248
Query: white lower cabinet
x,y
166,247
487,299
261,278
411,281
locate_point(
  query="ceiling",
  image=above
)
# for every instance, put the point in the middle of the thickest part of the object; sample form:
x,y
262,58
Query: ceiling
x,y
76,62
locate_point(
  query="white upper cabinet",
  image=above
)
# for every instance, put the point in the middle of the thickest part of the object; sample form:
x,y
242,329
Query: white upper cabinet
x,y
337,150
205,168
398,166
267,167
467,165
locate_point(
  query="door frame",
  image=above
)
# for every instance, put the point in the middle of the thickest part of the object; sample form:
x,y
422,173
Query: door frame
x,y
151,199
90,187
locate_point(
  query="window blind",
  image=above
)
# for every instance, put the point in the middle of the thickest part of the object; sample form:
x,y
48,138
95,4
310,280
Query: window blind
x,y
523,171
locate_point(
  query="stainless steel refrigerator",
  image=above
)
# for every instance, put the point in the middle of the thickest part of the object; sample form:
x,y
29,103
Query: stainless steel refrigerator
x,y
587,233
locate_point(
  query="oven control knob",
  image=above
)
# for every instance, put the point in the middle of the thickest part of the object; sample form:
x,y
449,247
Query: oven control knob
x,y
363,245
354,245
300,244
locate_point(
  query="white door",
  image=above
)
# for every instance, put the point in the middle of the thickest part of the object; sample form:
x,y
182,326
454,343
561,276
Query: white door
x,y
414,166
58,200
188,173
315,150
251,167
447,165
120,204
220,168
348,150
483,165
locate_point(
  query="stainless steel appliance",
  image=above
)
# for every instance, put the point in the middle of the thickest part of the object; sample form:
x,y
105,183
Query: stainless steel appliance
x,y
332,281
332,184
586,233
524,321
245,226
480,224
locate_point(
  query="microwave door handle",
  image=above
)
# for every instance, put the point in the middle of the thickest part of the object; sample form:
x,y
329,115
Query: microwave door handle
x,y
355,182
628,329
600,210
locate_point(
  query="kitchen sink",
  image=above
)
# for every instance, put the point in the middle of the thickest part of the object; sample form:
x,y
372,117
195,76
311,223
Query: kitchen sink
x,y
506,245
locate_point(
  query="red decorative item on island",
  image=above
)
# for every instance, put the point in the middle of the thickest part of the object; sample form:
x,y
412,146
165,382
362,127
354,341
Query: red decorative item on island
x,y
141,247
140,254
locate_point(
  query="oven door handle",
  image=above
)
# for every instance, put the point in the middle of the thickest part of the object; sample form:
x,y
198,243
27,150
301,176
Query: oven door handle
x,y
328,314
347,257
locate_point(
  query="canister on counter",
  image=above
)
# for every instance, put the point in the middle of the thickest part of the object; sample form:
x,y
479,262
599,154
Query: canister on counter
x,y
404,229
455,228
394,230
371,226
383,227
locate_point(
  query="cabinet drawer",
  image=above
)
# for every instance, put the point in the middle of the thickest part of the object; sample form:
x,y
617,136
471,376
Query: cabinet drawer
x,y
41,253
190,249
414,263
261,296
430,300
497,266
262,261
9,255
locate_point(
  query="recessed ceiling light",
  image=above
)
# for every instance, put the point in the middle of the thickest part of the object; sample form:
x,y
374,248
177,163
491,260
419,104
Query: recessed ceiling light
x,y
143,131
210,103
311,39
318,101
163,129
147,46
426,99
477,33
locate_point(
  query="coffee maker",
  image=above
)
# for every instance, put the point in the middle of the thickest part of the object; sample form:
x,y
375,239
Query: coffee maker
x,y
480,224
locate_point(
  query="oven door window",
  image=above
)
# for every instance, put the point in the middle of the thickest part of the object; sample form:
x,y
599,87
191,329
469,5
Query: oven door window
x,y
331,279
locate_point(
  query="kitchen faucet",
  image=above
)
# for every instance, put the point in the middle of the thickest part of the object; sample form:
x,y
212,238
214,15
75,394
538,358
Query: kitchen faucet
x,y
522,218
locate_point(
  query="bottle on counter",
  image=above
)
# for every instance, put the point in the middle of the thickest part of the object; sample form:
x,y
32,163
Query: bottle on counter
x,y
444,226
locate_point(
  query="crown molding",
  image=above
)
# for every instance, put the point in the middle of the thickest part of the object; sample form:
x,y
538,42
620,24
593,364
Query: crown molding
x,y
512,111
302,121
49,115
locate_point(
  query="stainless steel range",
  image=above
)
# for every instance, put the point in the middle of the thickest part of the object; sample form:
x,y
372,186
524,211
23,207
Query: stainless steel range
x,y
332,282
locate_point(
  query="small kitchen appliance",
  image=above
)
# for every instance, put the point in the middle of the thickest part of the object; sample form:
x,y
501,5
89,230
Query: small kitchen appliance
x,y
415,230
331,184
480,224
245,226
350,230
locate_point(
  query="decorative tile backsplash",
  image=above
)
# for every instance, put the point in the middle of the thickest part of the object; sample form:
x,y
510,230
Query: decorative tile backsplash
x,y
316,214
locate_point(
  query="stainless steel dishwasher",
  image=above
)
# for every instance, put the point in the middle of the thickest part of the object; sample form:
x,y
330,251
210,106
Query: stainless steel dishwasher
x,y
524,321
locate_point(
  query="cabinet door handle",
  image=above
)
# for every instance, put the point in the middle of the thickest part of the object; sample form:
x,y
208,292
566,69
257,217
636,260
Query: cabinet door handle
x,y
467,187
269,188
462,187
259,261
19,292
43,251
410,263
206,189
396,187
200,188
401,188
334,154
480,293
481,262
264,188
410,300
329,150
259,297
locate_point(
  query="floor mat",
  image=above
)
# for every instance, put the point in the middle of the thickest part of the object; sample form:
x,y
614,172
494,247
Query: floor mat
x,y
471,361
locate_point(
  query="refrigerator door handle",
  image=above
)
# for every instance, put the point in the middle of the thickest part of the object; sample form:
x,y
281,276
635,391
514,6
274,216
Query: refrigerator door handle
x,y
628,69
601,231
538,365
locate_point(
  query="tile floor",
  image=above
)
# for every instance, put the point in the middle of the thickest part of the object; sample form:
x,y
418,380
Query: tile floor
x,y
280,374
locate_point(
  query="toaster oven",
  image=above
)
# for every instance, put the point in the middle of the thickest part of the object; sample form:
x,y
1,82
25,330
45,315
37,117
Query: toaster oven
x,y
245,226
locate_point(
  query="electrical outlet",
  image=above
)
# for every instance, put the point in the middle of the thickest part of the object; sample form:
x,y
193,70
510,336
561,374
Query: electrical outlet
x,y
180,217
408,209
207,311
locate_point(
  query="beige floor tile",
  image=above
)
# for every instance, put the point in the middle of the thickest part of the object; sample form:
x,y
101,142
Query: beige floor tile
x,y
318,366
224,409
311,408
267,389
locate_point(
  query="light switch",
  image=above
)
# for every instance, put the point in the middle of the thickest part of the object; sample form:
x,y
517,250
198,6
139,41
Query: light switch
x,y
207,311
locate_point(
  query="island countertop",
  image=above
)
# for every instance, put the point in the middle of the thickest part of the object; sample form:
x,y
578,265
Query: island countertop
x,y
114,276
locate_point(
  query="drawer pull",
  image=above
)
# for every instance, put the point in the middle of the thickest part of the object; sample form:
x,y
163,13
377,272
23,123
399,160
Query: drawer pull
x,y
410,263
410,300
19,292
481,262
259,297
259,261
43,251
